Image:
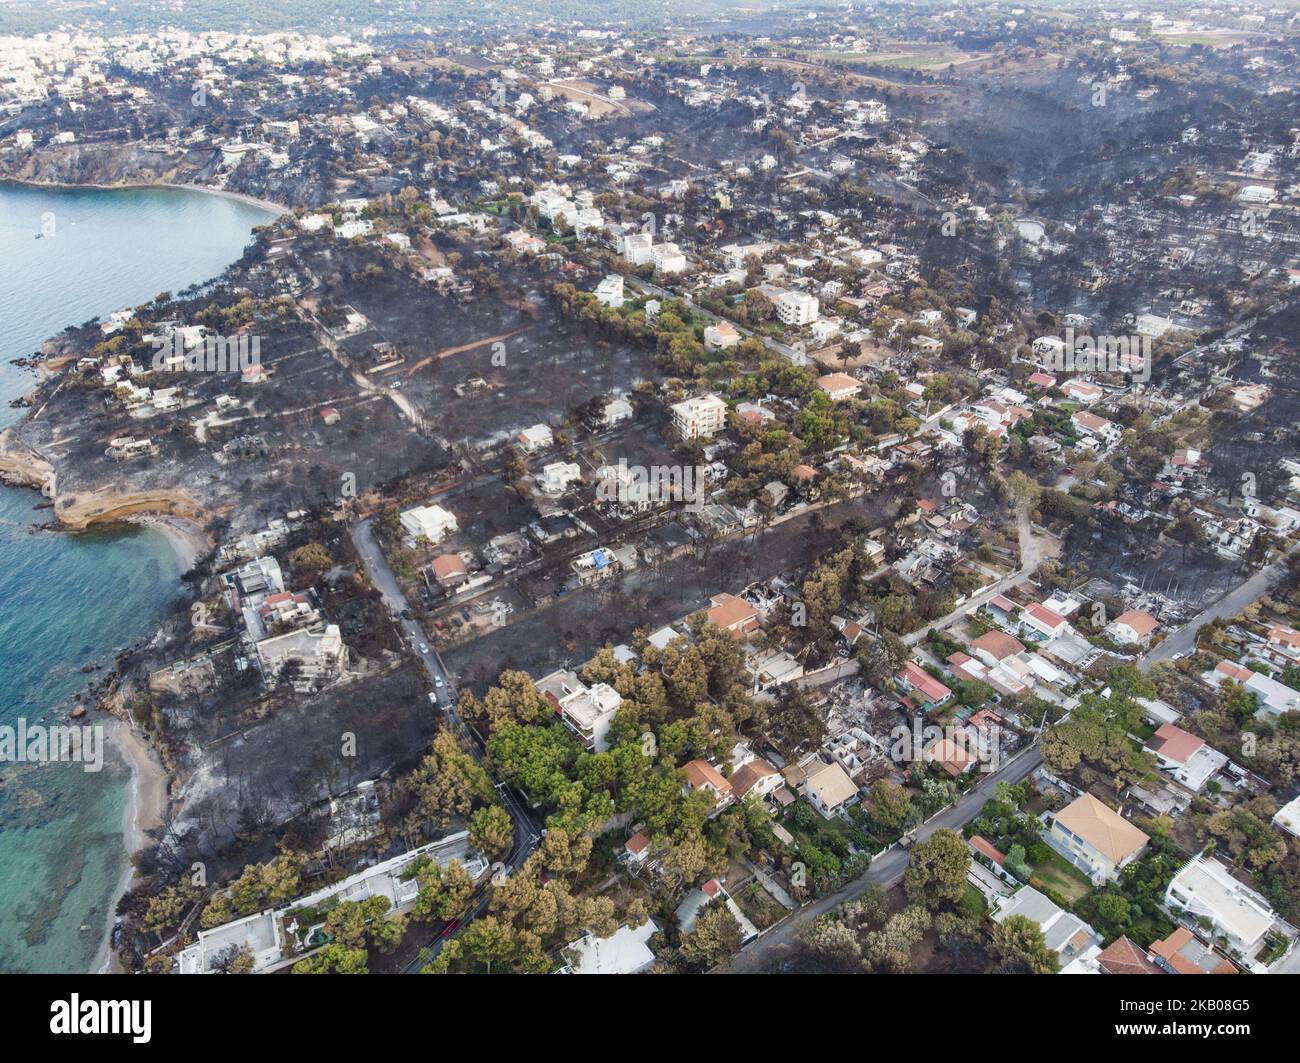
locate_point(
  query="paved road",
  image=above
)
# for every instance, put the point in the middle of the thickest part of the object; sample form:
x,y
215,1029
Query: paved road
x,y
1183,640
766,953
376,566
527,828
1031,554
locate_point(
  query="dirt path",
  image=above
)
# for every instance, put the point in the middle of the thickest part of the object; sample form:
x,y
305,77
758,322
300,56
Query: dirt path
x,y
463,348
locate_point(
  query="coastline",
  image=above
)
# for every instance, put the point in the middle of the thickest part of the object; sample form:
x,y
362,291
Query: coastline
x,y
187,538
146,808
141,799
148,797
278,208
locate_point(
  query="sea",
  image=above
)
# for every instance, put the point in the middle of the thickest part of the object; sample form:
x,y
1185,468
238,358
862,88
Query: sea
x,y
68,255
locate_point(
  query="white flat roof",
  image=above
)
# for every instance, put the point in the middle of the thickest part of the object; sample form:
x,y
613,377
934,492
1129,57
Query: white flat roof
x,y
1235,907
624,952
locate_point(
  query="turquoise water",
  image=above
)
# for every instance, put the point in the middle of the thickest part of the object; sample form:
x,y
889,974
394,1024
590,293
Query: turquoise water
x,y
66,601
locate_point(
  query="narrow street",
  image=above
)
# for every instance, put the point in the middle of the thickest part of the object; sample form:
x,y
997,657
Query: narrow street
x,y
528,829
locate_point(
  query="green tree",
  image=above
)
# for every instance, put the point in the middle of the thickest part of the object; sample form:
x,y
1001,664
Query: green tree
x,y
1020,948
891,805
936,871
444,891
334,959
491,831
715,936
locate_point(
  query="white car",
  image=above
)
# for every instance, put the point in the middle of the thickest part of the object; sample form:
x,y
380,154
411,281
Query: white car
x,y
424,648
438,682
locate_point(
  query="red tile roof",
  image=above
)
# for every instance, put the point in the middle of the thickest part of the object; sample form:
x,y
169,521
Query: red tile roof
x,y
999,644
1123,956
921,680
987,848
1173,743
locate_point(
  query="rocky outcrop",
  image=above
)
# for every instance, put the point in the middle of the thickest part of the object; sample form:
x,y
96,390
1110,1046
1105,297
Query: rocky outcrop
x,y
80,511
103,164
20,466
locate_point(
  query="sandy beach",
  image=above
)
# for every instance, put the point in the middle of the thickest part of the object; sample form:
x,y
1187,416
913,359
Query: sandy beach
x,y
146,808
265,204
189,540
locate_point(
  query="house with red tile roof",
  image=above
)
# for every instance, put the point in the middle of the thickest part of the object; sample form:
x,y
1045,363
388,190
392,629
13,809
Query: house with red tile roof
x,y
732,613
1132,628
755,776
1189,759
449,569
839,385
636,849
913,677
987,849
995,646
701,775
1123,956
1043,621
952,756
1183,953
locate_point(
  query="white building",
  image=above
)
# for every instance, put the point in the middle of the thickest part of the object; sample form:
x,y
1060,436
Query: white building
x,y
1287,817
357,227
586,711
1189,759
721,336
1273,698
1205,890
428,522
558,476
314,658
626,951
1063,932
701,417
538,437
1256,194
829,789
668,258
274,937
637,248
797,308
616,411
609,292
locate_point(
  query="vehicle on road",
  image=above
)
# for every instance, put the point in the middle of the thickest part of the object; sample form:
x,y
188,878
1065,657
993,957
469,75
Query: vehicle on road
x,y
424,648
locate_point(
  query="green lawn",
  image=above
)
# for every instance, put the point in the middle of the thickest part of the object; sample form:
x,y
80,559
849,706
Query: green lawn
x,y
974,900
916,60
1060,875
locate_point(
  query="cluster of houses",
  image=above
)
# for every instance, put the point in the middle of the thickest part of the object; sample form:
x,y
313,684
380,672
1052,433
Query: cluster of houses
x,y
1224,926
284,631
